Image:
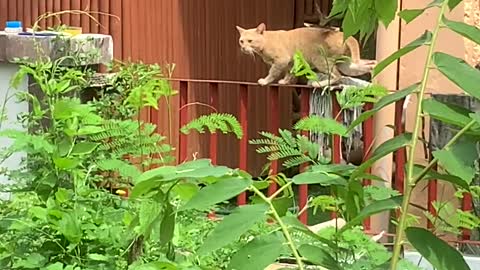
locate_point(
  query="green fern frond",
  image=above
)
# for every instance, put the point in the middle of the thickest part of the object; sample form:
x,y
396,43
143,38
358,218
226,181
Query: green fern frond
x,y
271,136
353,96
287,137
297,161
263,141
307,146
268,149
321,125
284,151
124,168
226,123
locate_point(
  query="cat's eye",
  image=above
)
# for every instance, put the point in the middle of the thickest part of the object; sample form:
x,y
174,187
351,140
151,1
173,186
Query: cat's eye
x,y
249,41
241,41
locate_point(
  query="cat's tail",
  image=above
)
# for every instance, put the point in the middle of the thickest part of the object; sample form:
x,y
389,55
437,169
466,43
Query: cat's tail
x,y
354,48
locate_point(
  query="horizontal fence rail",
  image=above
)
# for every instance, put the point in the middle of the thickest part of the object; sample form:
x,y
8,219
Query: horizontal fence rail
x,y
215,87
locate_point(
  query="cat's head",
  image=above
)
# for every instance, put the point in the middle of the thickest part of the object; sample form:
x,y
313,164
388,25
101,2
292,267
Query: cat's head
x,y
252,40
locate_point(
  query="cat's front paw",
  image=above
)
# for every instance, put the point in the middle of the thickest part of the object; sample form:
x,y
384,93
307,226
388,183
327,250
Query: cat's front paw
x,y
262,82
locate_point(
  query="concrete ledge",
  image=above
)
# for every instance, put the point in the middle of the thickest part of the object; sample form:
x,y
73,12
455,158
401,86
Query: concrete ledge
x,y
98,48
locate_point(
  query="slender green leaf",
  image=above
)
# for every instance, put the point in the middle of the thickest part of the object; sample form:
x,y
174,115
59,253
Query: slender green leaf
x,y
433,175
32,261
233,226
468,31
440,254
257,254
218,192
84,148
167,226
459,160
424,39
382,103
319,256
98,257
453,3
384,149
386,10
66,163
448,113
459,72
319,177
409,15
294,224
372,209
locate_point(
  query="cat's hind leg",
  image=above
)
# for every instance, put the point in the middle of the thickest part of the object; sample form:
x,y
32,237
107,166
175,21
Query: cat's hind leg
x,y
289,78
356,69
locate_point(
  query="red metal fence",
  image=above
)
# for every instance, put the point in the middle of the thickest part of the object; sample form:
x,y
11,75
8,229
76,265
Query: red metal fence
x,y
244,88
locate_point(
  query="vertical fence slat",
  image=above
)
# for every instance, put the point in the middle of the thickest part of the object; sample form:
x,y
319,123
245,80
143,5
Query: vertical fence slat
x,y
49,8
367,150
243,151
20,12
273,96
104,19
303,189
42,9
183,111
12,10
4,13
400,154
115,26
95,8
337,140
213,91
85,20
66,17
466,206
75,18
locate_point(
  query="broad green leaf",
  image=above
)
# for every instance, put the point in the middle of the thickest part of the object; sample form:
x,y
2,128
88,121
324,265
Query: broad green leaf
x,y
319,256
382,103
158,173
372,209
409,15
448,113
453,3
433,175
257,254
321,125
144,187
69,226
440,254
281,205
167,226
55,266
319,177
185,191
386,10
32,261
459,160
220,191
84,148
384,149
463,29
423,40
155,266
233,226
98,257
66,163
459,72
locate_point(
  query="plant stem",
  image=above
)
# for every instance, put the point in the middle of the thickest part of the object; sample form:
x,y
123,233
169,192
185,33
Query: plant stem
x,y
282,225
274,195
446,147
410,164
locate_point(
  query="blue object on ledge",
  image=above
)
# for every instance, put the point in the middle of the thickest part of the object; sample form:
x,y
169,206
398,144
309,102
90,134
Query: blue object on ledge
x,y
13,24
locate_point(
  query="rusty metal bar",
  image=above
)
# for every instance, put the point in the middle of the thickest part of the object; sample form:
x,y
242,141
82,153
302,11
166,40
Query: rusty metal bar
x,y
400,154
466,206
213,91
273,97
303,189
182,149
368,135
337,142
243,146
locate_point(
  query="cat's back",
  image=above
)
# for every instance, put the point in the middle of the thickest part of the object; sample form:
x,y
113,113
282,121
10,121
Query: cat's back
x,y
303,38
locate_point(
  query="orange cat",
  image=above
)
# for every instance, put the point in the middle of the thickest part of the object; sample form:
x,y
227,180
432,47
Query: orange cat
x,y
277,49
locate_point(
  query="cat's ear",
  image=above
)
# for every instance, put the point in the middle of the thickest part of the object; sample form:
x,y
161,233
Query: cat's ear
x,y
240,29
261,28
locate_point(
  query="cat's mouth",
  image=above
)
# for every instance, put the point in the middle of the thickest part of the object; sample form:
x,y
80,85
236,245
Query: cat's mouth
x,y
248,51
